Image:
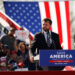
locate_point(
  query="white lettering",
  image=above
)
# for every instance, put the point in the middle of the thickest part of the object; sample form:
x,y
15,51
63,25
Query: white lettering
x,y
60,56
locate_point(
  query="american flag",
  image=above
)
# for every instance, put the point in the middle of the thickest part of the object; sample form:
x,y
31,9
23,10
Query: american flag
x,y
30,15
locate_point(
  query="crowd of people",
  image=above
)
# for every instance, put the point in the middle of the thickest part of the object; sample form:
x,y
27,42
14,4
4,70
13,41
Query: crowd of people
x,y
14,54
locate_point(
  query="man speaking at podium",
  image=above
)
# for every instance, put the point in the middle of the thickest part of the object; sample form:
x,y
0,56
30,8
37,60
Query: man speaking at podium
x,y
46,40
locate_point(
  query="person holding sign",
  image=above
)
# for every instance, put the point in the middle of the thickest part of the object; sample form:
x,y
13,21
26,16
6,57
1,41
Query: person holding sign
x,y
45,40
9,39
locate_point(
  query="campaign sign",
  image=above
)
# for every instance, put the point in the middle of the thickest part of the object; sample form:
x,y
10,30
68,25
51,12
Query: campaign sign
x,y
57,58
22,35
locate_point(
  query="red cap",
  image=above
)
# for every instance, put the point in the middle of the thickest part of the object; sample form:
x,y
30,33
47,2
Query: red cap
x,y
13,52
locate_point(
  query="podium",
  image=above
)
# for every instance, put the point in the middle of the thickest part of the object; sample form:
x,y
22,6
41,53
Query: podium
x,y
36,60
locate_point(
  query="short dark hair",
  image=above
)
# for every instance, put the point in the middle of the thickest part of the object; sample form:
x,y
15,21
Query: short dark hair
x,y
47,19
12,29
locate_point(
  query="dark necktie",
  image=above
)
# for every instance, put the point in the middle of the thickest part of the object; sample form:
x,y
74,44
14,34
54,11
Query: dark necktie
x,y
48,39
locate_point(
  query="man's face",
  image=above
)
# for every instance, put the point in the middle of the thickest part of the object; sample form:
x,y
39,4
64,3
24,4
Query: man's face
x,y
14,56
46,25
11,32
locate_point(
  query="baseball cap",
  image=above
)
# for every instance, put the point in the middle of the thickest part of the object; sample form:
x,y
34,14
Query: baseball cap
x,y
5,46
3,64
13,52
12,29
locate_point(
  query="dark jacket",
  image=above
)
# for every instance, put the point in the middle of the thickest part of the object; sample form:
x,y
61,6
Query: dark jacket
x,y
39,43
6,39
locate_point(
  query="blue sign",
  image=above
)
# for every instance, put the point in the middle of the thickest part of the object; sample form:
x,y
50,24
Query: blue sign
x,y
57,58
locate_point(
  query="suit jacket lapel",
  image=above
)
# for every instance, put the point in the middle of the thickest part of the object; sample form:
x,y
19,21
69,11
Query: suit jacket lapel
x,y
43,37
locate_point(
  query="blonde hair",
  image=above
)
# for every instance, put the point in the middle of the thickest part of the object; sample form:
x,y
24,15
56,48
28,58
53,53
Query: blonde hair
x,y
21,43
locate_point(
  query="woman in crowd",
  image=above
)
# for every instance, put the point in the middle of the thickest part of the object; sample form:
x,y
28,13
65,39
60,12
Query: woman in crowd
x,y
24,52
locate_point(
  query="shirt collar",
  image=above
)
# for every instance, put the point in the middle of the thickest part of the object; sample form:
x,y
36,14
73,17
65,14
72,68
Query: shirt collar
x,y
46,32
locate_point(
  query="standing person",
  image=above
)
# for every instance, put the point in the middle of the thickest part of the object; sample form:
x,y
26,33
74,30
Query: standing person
x,y
9,39
4,51
45,40
24,52
12,61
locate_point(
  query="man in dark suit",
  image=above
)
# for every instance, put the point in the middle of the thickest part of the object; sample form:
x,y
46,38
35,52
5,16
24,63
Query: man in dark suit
x,y
46,40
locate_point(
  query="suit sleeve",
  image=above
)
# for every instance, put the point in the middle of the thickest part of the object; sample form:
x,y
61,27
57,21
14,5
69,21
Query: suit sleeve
x,y
58,43
34,45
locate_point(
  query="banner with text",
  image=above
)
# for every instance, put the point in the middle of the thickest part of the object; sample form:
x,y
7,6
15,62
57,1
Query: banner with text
x,y
22,35
57,58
